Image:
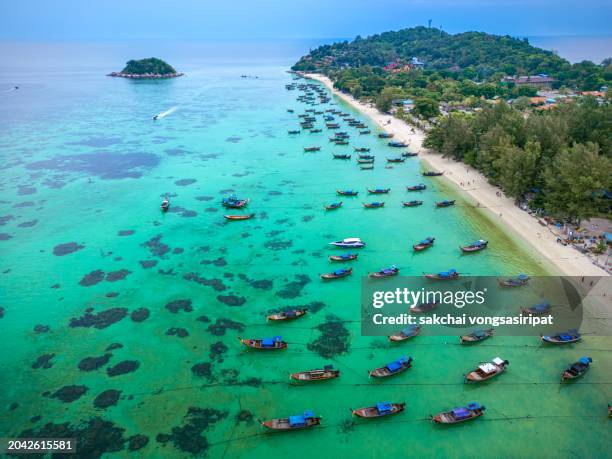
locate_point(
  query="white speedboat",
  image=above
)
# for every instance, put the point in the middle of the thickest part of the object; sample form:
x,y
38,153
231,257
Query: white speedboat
x,y
352,242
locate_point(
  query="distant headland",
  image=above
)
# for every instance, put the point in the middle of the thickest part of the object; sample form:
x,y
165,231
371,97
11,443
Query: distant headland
x,y
151,68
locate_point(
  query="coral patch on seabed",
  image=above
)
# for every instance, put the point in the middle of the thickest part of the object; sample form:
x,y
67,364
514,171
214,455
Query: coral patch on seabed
x,y
127,366
99,320
64,249
334,339
44,361
219,327
179,305
69,394
107,398
93,363
140,314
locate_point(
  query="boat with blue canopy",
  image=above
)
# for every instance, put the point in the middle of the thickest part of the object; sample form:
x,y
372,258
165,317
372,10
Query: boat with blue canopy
x,y
397,144
378,190
577,369
571,336
518,281
414,203
393,368
373,205
289,314
460,414
537,309
233,202
419,187
445,203
475,246
296,422
423,307
324,374
424,244
385,272
274,343
341,156
343,257
337,274
347,192
333,206
444,275
476,336
379,410
406,333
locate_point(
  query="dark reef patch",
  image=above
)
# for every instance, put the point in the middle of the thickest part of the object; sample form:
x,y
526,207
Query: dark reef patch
x,y
140,314
188,437
263,284
93,363
114,276
97,142
185,182
219,327
64,249
334,339
244,416
204,319
93,278
231,300
107,398
22,204
307,218
39,328
203,370
112,295
99,320
156,247
177,331
126,366
43,361
233,139
24,190
106,165
205,198
294,289
137,442
216,284
217,350
125,232
146,264
278,244
5,237
219,262
179,305
113,346
69,394
28,224
5,219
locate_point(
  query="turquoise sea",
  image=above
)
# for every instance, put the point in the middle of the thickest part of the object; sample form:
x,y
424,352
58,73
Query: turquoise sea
x,y
120,323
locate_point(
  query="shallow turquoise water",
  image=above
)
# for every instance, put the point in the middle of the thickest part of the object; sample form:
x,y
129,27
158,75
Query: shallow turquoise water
x,y
84,163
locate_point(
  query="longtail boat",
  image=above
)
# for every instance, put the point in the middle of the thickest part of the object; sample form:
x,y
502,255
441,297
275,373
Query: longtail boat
x,y
424,244
373,205
571,336
332,125
385,135
397,366
266,344
408,154
577,369
445,203
423,307
326,373
367,131
294,131
406,333
444,275
396,160
366,156
301,421
397,144
367,167
290,110
476,246
464,413
334,206
290,314
537,309
316,131
165,205
379,410
476,336
343,257
234,203
361,149
337,274
365,161
432,174
349,242
341,156
341,142
487,370
347,192
419,187
378,190
239,217
386,272
414,203
519,281
312,148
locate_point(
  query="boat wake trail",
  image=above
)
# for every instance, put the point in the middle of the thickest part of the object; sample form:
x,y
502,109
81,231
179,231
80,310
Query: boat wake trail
x,y
166,113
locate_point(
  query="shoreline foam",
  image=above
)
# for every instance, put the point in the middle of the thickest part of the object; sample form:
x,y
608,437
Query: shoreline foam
x,y
480,192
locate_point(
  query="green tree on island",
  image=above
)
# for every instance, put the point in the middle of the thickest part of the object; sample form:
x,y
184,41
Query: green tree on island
x,y
151,65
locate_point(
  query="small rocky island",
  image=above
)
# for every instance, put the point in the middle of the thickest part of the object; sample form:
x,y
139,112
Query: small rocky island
x,y
151,68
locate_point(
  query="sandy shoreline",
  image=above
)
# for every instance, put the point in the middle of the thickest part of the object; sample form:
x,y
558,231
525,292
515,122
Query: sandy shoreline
x,y
564,259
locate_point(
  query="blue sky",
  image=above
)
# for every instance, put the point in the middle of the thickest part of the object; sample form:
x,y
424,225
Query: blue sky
x,y
82,20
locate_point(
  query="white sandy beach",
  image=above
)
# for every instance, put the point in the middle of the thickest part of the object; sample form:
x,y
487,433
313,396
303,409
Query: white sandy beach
x,y
566,260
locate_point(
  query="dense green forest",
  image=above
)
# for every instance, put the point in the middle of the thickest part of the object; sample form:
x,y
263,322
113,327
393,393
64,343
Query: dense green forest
x,y
150,65
561,157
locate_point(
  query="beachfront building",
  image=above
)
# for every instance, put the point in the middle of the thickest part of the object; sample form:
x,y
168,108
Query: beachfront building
x,y
400,66
539,81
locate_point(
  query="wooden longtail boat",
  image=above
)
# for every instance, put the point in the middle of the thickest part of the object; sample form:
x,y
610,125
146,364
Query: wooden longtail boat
x,y
476,336
424,244
487,370
361,149
341,156
577,369
373,205
432,174
367,168
302,421
324,374
476,246
386,272
419,187
338,274
385,135
290,314
239,217
379,410
397,144
537,309
396,160
347,192
312,148
444,275
464,413
412,203
423,307
519,281
366,156
408,154
316,131
341,142
365,161
165,205
367,131
334,206
397,366
266,344
445,203
571,336
378,190
409,332
234,203
294,131
343,257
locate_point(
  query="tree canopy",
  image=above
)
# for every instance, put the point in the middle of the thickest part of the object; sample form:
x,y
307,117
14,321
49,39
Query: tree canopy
x,y
150,65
